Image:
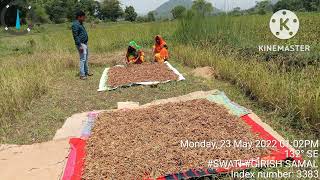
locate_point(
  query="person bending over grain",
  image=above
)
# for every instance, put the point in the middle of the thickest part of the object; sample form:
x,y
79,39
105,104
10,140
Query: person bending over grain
x,y
134,54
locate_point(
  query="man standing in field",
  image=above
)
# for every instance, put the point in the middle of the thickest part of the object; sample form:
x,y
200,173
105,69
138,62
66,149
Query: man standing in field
x,y
80,37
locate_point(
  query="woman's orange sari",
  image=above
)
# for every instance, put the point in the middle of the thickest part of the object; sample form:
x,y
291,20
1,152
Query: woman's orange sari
x,y
161,53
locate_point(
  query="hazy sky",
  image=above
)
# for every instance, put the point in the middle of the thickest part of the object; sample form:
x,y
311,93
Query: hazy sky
x,y
144,6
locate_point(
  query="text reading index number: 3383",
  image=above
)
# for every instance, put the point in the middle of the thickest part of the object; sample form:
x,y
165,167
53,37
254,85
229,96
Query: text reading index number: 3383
x,y
284,24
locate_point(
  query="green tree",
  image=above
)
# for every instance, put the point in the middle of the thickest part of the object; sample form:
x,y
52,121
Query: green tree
x,y
130,14
57,10
151,16
202,7
40,12
111,10
89,6
62,10
298,5
39,9
264,6
142,19
178,12
71,7
236,11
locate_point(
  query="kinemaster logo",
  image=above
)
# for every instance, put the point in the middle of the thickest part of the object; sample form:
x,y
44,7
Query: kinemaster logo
x,y
284,24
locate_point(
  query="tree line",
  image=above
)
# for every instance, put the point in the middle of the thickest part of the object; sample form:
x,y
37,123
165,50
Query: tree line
x,y
199,7
60,11
266,6
204,8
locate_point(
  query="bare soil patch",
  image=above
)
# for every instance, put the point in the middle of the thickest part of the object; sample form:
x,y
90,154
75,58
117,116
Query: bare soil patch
x,y
145,72
204,72
127,144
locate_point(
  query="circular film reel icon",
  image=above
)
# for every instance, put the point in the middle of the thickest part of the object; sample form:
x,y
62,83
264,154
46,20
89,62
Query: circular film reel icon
x,y
18,31
284,24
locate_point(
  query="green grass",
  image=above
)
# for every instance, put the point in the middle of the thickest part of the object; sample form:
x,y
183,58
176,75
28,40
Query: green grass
x,y
241,35
294,94
103,38
29,63
285,82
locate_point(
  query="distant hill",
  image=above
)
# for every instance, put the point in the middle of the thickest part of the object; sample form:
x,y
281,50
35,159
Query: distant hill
x,y
164,10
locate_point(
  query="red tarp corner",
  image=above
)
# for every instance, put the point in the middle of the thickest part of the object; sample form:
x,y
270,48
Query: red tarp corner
x,y
75,163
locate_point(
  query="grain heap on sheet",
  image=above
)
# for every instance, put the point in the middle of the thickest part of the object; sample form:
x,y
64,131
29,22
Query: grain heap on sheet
x,y
147,72
127,144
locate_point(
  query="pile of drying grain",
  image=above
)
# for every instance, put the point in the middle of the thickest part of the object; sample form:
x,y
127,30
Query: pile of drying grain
x,y
127,144
133,73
